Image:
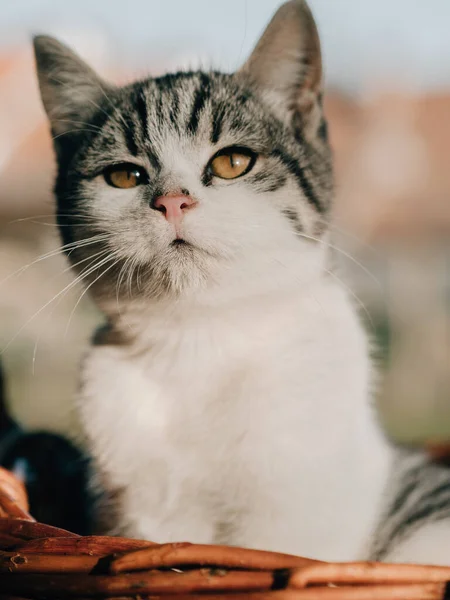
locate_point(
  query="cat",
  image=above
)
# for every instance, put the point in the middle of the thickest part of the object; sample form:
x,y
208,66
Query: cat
x,y
228,398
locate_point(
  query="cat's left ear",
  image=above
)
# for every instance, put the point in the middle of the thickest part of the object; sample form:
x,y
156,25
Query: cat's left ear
x,y
70,89
286,65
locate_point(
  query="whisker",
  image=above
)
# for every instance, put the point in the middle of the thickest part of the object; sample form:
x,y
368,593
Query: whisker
x,y
118,284
59,294
120,278
116,261
115,109
94,127
361,266
344,253
352,293
92,256
70,267
50,215
356,238
58,225
71,247
88,220
139,277
55,137
131,271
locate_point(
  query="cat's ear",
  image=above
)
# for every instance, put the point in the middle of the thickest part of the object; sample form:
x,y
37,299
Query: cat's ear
x,y
70,89
286,64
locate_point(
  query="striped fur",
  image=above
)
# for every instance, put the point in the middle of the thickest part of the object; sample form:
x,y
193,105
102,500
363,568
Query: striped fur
x,y
418,497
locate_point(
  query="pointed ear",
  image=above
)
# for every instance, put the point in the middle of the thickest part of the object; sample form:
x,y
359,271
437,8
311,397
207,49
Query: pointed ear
x,y
70,89
286,64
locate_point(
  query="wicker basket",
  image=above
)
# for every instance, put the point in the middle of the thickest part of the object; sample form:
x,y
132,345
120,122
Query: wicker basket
x,y
39,561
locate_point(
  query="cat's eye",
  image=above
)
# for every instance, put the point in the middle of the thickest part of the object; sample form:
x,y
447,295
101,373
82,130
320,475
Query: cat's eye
x,y
231,163
125,176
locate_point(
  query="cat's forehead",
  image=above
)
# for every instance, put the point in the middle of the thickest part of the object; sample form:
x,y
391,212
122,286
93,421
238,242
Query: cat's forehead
x,y
210,109
181,98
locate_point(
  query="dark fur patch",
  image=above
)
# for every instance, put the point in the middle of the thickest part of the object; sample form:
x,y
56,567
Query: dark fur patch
x,y
421,494
268,182
175,108
107,335
300,174
294,219
429,512
323,131
218,116
131,136
141,109
201,96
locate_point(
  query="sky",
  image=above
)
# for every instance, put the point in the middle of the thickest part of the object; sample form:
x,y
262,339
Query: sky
x,y
402,41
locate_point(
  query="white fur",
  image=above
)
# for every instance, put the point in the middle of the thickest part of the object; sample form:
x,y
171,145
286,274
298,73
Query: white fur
x,y
242,415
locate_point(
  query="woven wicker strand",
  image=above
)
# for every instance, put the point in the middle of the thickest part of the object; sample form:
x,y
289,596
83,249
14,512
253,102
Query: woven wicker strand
x,y
39,562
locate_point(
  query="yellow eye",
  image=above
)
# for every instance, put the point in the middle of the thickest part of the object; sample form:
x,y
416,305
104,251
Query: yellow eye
x,y
125,176
231,163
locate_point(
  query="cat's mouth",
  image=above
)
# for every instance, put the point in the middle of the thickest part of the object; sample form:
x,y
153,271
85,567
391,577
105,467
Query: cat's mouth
x,y
180,242
182,247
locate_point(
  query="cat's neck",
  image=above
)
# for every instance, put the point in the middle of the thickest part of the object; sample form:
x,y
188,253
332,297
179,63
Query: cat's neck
x,y
258,275
250,290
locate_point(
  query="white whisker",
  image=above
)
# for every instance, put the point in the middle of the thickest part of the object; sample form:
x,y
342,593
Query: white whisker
x,y
356,238
55,137
94,127
352,293
71,247
131,271
58,295
120,278
69,268
88,288
344,253
51,215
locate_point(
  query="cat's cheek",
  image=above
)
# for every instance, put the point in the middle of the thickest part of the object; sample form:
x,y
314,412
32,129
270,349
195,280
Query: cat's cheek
x,y
243,220
110,204
134,229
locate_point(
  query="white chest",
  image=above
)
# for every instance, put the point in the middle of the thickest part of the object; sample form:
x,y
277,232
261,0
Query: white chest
x,y
259,409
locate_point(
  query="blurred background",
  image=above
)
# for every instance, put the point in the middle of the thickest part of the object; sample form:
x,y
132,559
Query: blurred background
x,y
387,65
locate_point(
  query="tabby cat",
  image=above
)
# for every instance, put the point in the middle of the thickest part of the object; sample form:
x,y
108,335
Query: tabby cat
x,y
228,398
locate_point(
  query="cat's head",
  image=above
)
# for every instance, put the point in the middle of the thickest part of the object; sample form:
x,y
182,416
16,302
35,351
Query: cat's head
x,y
179,182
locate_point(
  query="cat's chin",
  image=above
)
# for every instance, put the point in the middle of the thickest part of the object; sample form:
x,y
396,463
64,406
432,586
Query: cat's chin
x,y
181,270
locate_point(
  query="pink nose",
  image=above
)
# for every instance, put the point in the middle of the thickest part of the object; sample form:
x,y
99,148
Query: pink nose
x,y
173,206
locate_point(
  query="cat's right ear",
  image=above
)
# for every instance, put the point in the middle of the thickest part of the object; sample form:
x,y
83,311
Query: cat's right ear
x,y
286,65
70,89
